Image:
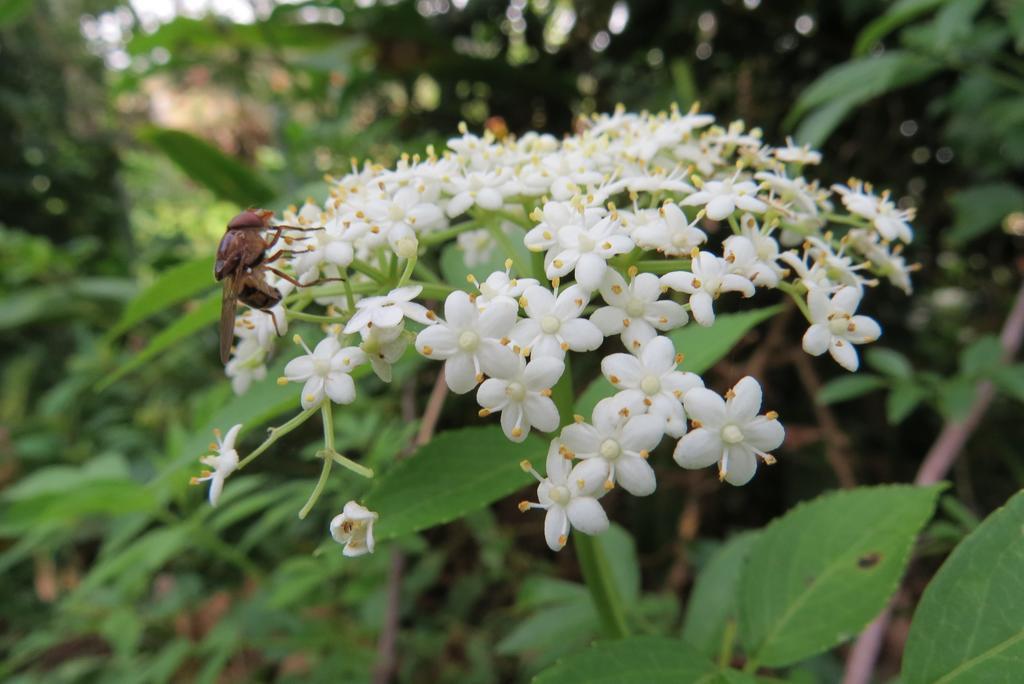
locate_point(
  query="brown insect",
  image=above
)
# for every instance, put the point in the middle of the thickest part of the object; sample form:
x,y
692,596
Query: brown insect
x,y
242,260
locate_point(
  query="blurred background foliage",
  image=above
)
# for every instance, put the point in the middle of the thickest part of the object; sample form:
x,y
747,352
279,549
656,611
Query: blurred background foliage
x,y
134,130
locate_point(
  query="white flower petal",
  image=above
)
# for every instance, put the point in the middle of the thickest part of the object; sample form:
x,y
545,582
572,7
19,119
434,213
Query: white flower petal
x,y
556,528
460,373
746,400
705,406
581,335
764,435
340,388
635,475
698,449
844,353
740,465
587,516
702,308
816,339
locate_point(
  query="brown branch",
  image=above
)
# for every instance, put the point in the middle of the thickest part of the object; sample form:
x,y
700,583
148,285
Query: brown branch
x,y
837,443
387,662
860,664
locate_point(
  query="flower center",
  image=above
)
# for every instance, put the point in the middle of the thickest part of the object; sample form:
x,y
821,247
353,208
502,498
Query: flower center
x,y
321,366
838,326
469,341
651,384
550,324
732,434
488,290
635,307
680,239
560,495
371,345
586,242
610,449
515,391
395,212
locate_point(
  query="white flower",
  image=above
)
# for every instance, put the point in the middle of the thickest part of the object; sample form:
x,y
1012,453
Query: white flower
x,y
617,443
477,246
634,309
835,328
501,286
671,235
246,364
795,154
710,278
577,241
384,347
886,259
388,311
753,254
729,432
651,380
223,463
485,189
353,527
721,198
569,496
470,343
523,397
403,214
553,324
325,370
332,245
890,222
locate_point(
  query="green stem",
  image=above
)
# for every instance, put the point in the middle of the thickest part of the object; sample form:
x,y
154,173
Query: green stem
x,y
314,318
276,434
350,297
728,642
328,420
318,490
590,554
661,266
356,468
796,293
425,273
442,236
410,265
367,269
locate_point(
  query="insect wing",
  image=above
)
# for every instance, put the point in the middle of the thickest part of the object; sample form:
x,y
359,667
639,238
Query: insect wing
x,y
228,304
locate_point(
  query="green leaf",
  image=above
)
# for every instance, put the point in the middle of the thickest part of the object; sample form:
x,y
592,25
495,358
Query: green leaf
x,y
546,631
889,362
1011,381
956,396
847,387
819,574
620,550
13,11
190,323
712,603
902,400
968,625
899,14
205,164
859,80
982,358
701,347
981,208
651,660
457,472
171,287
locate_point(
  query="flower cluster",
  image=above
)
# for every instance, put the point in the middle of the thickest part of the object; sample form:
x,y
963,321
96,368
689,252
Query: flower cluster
x,y
640,224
